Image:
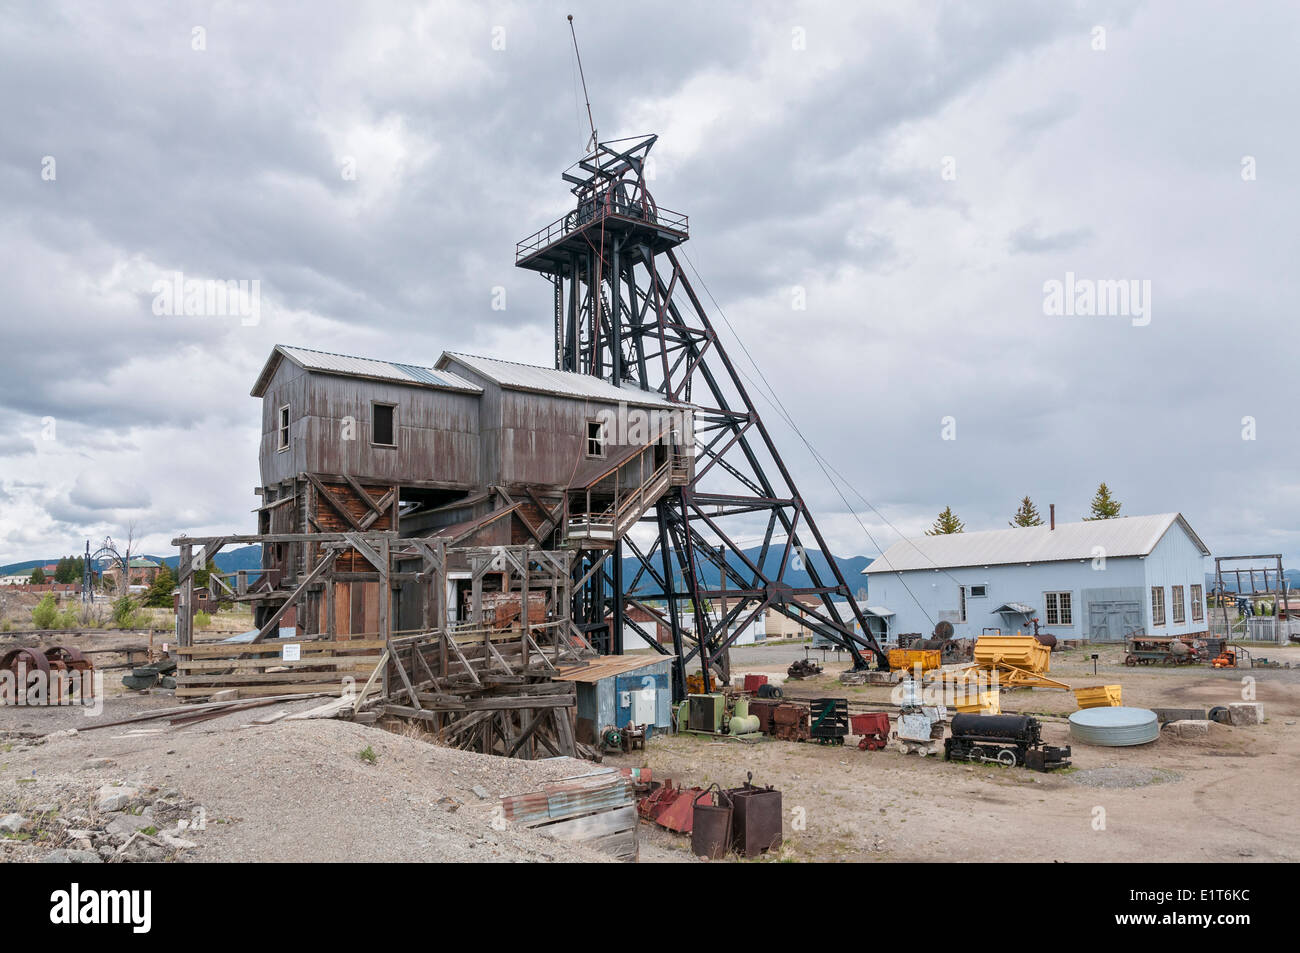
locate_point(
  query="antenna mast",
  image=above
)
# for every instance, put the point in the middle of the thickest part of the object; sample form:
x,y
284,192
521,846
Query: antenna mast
x,y
578,56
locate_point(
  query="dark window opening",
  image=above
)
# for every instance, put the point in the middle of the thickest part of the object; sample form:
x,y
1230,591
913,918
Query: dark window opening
x,y
595,438
382,430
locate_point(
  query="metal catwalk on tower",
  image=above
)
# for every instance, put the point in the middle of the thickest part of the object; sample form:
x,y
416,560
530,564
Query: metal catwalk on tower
x,y
626,312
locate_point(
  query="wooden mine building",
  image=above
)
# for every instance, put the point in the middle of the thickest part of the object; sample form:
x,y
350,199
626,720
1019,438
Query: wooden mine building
x,y
474,451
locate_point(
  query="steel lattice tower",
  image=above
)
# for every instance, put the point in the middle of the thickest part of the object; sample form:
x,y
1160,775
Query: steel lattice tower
x,y
626,312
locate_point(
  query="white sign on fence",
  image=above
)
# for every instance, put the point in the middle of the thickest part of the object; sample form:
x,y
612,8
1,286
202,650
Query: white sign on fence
x,y
291,652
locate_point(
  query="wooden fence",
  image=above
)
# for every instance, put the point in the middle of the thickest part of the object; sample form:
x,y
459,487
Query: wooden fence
x,y
275,667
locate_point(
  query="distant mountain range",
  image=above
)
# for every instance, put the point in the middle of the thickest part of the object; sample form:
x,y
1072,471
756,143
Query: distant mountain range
x,y
231,560
250,558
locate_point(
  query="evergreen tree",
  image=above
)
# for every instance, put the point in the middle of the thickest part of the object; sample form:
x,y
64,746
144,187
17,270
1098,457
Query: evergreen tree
x,y
946,523
1027,515
1104,506
38,576
159,594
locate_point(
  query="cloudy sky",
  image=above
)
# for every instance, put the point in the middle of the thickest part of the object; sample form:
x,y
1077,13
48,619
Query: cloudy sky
x,y
916,173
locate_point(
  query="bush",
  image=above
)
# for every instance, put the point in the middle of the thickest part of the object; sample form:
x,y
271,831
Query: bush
x,y
46,612
125,613
202,619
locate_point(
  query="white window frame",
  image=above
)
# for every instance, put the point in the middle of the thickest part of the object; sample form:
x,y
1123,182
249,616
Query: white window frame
x,y
597,441
1157,607
961,604
1052,604
282,422
1178,604
1198,602
972,594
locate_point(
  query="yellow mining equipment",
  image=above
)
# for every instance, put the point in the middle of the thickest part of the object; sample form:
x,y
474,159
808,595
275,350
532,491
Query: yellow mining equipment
x,y
1019,661
905,660
1099,696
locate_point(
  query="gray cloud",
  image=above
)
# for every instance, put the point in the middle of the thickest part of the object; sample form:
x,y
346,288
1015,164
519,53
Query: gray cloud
x,y
817,167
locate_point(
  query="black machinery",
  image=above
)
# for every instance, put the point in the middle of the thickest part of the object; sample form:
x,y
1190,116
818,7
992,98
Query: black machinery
x,y
1010,740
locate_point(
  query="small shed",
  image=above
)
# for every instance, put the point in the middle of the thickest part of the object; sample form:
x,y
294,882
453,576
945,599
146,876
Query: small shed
x,y
618,689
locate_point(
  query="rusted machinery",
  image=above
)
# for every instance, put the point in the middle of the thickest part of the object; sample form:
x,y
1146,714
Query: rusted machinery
x,y
756,818
790,722
803,668
872,729
746,820
59,675
1008,740
1162,650
671,807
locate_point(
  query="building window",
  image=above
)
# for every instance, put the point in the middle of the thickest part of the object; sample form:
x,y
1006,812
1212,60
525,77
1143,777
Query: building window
x,y
383,424
595,438
979,592
1198,607
1060,610
283,427
1176,599
961,605
1157,606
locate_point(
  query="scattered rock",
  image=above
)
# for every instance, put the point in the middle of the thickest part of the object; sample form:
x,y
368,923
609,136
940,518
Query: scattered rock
x,y
1189,728
127,824
95,763
179,843
1246,713
65,856
11,823
482,792
115,797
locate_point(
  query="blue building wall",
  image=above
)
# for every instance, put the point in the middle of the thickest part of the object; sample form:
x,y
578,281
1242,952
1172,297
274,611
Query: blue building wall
x,y
599,702
1108,597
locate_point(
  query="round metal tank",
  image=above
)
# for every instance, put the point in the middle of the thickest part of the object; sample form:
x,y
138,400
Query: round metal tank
x,y
1114,727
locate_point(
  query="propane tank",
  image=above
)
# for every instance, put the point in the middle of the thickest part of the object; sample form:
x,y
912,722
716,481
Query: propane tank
x,y
683,715
742,725
741,709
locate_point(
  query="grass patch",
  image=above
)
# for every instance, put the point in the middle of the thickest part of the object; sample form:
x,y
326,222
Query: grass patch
x,y
367,754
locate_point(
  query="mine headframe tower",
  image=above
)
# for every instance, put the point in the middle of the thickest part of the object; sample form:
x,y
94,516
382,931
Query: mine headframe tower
x,y
626,312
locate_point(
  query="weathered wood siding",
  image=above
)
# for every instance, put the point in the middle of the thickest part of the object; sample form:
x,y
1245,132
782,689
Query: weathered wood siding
x,y
437,431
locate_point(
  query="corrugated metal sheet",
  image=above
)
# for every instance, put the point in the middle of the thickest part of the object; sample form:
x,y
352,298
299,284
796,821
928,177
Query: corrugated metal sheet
x,y
1123,536
547,380
331,363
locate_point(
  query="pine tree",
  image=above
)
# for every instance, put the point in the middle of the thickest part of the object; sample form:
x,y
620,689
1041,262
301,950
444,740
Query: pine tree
x,y
38,576
946,523
1104,506
1027,515
159,594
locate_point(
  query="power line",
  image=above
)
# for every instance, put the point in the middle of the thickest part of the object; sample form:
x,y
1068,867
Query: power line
x,y
780,408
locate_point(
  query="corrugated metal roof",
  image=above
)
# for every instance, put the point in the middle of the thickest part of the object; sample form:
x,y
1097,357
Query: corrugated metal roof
x,y
547,380
331,363
1123,536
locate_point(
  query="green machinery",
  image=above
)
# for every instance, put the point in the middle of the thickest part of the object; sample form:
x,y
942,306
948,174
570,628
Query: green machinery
x,y
708,715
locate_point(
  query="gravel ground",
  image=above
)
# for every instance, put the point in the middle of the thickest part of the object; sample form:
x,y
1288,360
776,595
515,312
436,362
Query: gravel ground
x,y
292,790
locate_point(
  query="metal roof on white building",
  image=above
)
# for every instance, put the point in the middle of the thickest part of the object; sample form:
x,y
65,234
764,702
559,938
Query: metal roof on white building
x,y
547,380
331,363
1122,536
